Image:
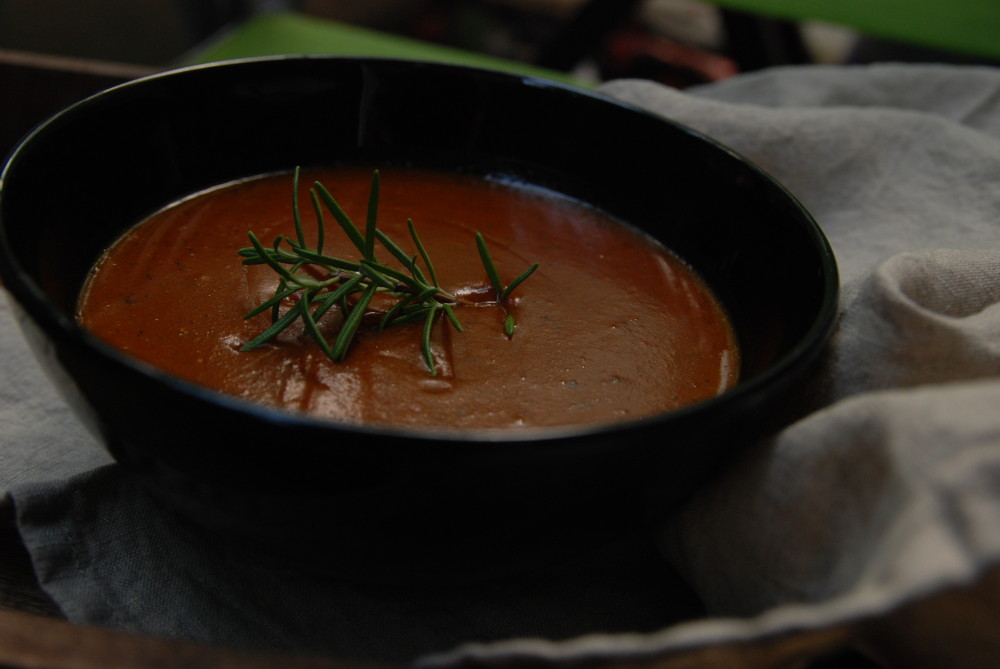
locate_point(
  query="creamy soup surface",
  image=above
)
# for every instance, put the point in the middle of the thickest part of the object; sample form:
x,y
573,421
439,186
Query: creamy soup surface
x,y
610,327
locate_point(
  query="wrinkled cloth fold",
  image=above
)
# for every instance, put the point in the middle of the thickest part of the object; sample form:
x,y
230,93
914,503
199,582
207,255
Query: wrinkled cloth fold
x,y
872,519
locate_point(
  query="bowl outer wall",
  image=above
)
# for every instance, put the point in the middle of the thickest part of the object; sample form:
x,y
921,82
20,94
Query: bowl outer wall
x,y
91,172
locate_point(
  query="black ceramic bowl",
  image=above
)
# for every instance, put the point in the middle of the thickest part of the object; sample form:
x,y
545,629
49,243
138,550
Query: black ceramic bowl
x,y
373,502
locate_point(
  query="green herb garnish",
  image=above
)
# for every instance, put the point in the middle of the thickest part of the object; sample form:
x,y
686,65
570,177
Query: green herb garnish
x,y
311,283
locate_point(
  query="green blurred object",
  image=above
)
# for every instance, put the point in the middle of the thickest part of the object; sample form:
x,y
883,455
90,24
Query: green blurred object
x,y
969,27
287,33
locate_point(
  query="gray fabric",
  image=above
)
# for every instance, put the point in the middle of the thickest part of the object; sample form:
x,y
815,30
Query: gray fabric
x,y
885,496
40,439
111,556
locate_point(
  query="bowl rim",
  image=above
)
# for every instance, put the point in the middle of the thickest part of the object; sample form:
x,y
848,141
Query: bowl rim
x,y
49,318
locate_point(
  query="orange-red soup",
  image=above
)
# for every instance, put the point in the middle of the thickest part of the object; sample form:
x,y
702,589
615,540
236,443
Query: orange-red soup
x,y
610,327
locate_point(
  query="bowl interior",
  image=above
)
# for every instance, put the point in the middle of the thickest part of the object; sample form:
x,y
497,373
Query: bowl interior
x,y
112,160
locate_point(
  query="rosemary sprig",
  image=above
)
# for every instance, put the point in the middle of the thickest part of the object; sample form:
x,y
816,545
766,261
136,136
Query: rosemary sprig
x,y
502,292
310,282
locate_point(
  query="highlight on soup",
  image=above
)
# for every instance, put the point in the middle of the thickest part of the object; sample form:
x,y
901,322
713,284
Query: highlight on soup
x,y
611,326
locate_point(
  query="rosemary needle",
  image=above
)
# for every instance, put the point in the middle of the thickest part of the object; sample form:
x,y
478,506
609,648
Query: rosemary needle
x,y
310,282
